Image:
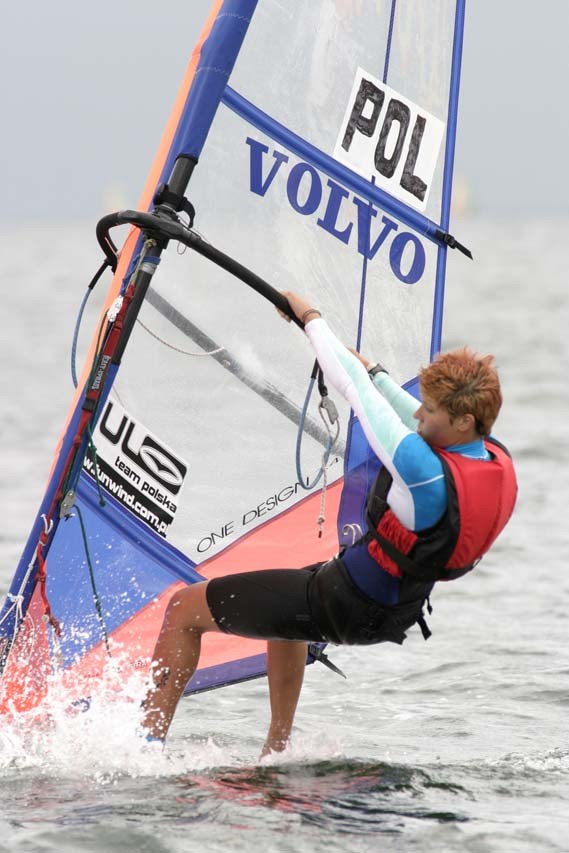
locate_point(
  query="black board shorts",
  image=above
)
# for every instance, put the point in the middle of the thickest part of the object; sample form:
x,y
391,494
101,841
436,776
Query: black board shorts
x,y
319,603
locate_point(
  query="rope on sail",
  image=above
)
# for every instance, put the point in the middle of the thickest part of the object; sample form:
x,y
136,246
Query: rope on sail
x,y
88,292
96,597
178,349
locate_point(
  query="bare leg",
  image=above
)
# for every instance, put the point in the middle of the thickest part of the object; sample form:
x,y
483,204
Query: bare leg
x,y
176,655
286,662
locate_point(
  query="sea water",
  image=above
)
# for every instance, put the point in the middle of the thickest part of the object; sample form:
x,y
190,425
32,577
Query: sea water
x,y
455,744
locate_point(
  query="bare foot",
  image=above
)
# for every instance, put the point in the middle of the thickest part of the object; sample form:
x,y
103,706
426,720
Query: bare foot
x,y
273,746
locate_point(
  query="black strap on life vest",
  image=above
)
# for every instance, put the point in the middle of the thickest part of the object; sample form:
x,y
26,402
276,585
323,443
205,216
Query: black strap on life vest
x,y
421,622
417,571
421,571
425,572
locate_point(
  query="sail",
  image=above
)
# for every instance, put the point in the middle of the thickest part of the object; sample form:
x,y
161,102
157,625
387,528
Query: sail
x,y
316,143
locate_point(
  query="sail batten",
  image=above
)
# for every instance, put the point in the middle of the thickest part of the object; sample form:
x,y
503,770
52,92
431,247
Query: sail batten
x,y
368,191
222,356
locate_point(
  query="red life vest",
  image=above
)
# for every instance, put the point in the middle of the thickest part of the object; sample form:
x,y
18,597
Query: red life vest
x,y
481,498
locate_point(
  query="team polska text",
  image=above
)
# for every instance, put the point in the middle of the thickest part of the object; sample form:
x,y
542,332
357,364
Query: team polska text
x,y
262,510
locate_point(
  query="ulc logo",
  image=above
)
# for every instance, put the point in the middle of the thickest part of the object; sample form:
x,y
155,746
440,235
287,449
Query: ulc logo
x,y
142,448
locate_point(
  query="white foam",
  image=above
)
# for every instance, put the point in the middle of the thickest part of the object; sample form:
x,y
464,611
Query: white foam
x,y
96,737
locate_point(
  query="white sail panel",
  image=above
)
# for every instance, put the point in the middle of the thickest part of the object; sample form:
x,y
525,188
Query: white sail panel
x,y
301,70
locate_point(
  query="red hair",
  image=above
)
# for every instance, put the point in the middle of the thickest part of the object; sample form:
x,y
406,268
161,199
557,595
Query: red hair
x,y
463,382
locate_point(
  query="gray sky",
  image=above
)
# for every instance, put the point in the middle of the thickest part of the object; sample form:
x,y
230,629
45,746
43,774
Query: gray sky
x,y
81,119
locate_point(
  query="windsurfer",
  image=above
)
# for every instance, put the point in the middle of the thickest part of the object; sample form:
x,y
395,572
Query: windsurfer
x,y
445,492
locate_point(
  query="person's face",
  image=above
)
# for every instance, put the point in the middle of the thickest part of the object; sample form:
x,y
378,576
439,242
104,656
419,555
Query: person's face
x,y
435,425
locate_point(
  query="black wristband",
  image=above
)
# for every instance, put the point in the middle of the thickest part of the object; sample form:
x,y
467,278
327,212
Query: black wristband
x,y
375,369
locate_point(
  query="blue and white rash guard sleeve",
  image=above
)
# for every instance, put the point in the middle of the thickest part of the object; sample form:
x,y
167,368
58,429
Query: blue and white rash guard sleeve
x,y
418,494
403,403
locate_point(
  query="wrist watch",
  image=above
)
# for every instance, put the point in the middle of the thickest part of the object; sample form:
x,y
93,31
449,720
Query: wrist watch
x,y
376,368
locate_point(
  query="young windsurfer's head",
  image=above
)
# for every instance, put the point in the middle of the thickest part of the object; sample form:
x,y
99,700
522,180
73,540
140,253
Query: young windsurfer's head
x,y
464,386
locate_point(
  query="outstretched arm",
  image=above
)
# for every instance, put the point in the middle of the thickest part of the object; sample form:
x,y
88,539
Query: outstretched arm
x,y
382,426
346,371
417,495
398,398
403,403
